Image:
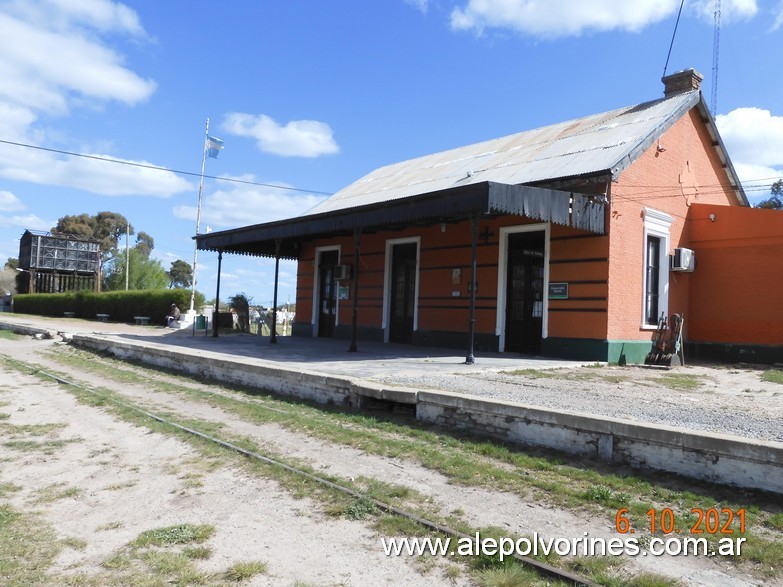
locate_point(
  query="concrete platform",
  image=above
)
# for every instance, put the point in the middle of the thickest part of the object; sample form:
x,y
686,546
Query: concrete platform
x,y
314,354
323,371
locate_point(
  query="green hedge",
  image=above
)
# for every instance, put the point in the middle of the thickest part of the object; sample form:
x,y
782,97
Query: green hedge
x,y
121,306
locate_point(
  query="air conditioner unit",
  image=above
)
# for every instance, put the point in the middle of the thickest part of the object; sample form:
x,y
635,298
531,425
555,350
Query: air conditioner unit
x,y
342,272
683,260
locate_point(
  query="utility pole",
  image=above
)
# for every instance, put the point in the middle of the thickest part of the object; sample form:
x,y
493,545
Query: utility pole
x,y
127,255
198,216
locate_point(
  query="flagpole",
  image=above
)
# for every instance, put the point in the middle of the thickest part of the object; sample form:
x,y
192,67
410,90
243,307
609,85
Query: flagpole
x,y
198,216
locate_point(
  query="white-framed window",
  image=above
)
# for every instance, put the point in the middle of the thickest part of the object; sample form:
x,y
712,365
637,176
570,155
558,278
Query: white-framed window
x,y
655,277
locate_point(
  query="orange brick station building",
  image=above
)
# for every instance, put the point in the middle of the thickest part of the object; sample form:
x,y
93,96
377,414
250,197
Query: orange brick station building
x,y
571,240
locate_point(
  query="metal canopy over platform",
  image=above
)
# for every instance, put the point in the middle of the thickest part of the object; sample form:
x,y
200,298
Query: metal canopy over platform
x,y
578,211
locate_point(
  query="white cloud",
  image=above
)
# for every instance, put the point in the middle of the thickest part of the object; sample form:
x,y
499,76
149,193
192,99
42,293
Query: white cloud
x,y
298,138
243,205
560,18
26,221
100,14
753,136
9,202
557,18
729,9
778,17
420,5
48,61
101,177
55,55
754,140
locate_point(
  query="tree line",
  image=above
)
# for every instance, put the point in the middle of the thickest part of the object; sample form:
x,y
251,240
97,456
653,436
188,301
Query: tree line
x,y
109,229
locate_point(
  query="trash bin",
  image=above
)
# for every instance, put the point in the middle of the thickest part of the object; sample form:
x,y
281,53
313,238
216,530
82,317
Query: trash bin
x,y
201,322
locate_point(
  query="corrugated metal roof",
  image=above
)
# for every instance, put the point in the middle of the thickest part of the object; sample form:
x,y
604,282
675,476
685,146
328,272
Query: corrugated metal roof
x,y
578,147
484,177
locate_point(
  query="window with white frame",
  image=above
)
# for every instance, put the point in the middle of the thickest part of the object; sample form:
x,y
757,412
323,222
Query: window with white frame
x,y
656,267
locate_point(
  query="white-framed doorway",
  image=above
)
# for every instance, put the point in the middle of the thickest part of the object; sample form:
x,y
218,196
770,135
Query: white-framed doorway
x,y
316,312
502,305
387,283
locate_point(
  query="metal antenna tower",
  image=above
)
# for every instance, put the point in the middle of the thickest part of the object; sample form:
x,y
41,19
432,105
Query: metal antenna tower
x,y
715,52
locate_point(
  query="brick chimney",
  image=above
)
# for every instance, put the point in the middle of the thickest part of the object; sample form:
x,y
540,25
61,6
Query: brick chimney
x,y
682,81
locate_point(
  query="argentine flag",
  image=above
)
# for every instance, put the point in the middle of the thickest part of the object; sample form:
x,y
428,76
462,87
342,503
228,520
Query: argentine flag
x,y
213,147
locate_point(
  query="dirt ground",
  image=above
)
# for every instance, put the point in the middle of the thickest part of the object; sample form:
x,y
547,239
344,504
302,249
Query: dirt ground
x,y
127,480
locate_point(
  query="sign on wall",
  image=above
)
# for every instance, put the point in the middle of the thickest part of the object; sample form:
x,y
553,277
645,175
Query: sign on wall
x,y
558,290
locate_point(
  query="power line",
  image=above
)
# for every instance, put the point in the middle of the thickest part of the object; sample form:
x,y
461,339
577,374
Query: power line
x,y
157,168
674,34
649,188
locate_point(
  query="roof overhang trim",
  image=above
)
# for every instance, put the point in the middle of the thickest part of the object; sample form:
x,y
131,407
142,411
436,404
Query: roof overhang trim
x,y
281,238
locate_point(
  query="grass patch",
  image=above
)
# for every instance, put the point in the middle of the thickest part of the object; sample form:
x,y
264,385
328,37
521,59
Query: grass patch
x,y
56,492
48,447
9,335
590,372
775,522
360,509
74,543
647,580
513,575
34,437
601,569
120,486
6,488
773,376
116,525
197,552
390,525
598,494
681,381
27,548
165,556
179,534
242,571
537,373
464,461
22,430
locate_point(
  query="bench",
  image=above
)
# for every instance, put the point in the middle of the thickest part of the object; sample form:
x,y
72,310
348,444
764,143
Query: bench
x,y
142,320
69,314
102,317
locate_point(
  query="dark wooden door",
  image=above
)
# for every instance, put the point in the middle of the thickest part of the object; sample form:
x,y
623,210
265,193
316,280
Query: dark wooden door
x,y
327,294
403,293
524,292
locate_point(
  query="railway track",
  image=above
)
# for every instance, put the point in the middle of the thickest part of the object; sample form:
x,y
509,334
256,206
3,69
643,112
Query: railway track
x,y
543,569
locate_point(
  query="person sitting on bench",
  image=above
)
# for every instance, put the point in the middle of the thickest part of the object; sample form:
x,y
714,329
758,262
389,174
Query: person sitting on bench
x,y
173,315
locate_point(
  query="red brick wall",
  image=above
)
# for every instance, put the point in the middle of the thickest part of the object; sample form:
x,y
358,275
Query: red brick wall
x,y
654,181
604,272
736,287
577,257
581,260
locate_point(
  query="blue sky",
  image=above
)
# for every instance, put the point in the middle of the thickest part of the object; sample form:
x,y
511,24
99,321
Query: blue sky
x,y
313,95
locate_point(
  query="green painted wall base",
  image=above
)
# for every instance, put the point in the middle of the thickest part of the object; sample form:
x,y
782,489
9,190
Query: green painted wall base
x,y
367,333
298,329
734,353
456,340
578,349
342,332
589,349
